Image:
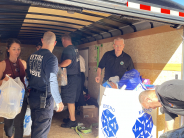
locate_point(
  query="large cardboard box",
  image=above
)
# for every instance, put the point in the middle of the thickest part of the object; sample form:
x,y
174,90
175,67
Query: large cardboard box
x,y
89,111
121,116
1,127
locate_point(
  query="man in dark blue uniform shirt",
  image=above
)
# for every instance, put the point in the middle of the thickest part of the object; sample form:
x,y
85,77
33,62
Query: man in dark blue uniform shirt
x,y
42,68
70,93
115,62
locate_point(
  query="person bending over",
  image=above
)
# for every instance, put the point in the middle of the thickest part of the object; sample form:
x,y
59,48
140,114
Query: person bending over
x,y
170,96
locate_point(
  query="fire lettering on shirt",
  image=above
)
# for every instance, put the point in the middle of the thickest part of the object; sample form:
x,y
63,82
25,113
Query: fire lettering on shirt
x,y
35,65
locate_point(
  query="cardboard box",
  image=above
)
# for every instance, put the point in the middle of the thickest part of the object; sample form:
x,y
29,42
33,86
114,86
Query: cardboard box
x,y
119,119
1,119
1,127
89,111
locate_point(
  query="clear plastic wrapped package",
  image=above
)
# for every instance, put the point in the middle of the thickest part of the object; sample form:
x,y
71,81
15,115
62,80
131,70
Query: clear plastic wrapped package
x,y
62,76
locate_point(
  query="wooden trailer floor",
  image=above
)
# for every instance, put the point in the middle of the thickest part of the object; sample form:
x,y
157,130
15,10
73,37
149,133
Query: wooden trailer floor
x,y
58,132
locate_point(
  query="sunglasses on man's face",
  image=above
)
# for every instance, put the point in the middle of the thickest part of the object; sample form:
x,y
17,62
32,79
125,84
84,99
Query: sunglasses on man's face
x,y
118,45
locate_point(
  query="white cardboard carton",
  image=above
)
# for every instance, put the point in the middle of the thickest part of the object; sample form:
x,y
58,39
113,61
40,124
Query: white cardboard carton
x,y
122,116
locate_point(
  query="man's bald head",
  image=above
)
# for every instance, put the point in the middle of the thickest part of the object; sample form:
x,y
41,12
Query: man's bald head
x,y
49,38
66,37
143,95
149,99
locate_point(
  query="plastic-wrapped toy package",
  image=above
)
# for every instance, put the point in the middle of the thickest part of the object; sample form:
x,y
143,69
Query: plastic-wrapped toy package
x,y
62,76
11,98
27,123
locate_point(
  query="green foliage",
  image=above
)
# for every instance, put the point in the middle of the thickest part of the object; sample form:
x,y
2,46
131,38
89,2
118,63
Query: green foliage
x,y
97,58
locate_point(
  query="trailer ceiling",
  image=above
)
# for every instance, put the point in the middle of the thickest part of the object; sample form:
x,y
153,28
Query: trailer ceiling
x,y
85,21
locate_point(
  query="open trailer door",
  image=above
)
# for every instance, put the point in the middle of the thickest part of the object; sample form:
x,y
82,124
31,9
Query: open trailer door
x,y
91,20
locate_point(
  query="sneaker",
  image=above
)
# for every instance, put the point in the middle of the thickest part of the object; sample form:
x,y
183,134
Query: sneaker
x,y
66,120
69,124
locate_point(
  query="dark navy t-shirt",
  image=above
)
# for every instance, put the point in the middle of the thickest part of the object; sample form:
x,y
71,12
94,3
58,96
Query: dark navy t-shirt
x,y
71,53
42,68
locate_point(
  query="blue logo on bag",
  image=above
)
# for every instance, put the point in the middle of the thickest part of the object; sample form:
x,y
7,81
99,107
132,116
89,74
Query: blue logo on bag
x,y
109,123
21,101
27,119
143,126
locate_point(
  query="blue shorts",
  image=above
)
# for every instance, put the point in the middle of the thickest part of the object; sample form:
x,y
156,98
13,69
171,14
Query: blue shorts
x,y
70,93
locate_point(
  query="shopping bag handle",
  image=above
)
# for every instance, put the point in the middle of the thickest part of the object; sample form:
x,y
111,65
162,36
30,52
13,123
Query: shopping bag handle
x,y
7,76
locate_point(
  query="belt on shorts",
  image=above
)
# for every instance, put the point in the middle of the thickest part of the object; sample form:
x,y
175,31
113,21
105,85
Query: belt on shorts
x,y
38,91
72,74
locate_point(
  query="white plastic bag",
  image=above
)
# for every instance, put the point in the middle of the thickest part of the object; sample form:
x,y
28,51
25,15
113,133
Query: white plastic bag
x,y
11,98
27,123
26,81
56,108
62,76
114,79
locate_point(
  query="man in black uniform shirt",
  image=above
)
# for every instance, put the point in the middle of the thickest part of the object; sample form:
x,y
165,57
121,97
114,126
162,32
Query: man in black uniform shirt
x,y
115,62
70,93
170,95
42,68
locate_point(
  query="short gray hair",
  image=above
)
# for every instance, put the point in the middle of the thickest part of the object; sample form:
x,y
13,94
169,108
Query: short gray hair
x,y
49,37
119,38
66,37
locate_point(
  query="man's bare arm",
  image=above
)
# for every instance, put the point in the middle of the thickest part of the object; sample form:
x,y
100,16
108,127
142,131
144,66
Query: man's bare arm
x,y
65,63
99,70
2,69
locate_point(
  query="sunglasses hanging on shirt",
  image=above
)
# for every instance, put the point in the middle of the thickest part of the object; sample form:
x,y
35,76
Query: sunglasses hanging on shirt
x,y
16,69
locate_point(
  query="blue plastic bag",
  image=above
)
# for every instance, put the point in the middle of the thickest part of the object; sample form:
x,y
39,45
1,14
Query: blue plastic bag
x,y
131,79
106,84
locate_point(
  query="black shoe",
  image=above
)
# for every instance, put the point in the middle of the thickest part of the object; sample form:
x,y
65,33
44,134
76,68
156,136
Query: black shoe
x,y
69,124
66,120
